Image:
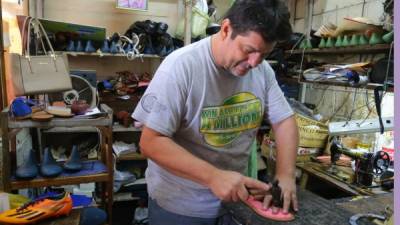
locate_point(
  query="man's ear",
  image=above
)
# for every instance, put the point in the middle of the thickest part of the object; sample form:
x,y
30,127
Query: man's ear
x,y
226,29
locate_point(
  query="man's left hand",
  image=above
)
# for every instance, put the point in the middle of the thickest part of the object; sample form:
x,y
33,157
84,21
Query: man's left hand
x,y
289,196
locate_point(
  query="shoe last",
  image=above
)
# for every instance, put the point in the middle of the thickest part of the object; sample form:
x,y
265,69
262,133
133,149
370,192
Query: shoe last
x,y
114,48
79,47
49,166
71,46
105,48
28,170
74,162
89,47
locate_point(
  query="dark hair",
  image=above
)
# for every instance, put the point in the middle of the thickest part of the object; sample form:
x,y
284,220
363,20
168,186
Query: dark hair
x,y
269,18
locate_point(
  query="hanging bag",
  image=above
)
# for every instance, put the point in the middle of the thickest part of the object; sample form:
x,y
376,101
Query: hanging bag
x,y
38,74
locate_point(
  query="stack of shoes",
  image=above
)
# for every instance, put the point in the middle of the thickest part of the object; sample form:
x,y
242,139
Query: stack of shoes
x,y
153,36
39,209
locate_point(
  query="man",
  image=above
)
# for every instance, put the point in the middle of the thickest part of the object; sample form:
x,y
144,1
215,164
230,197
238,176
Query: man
x,y
201,114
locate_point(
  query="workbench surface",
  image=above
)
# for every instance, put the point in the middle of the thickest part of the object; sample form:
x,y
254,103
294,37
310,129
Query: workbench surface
x,y
313,210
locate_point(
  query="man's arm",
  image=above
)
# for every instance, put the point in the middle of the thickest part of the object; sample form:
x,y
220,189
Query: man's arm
x,y
226,185
287,140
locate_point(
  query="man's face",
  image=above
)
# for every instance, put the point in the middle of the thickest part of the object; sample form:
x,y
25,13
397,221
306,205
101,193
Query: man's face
x,y
245,52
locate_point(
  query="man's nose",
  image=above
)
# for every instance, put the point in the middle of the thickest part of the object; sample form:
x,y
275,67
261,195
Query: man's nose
x,y
255,59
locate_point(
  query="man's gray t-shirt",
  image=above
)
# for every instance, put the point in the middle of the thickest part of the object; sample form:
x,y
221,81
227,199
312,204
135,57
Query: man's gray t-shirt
x,y
212,114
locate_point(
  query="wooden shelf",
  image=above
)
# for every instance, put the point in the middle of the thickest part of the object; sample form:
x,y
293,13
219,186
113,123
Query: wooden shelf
x,y
289,80
65,122
44,182
124,196
93,171
70,130
366,49
131,157
100,55
120,128
370,86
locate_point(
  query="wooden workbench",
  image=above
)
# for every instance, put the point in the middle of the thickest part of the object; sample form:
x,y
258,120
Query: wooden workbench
x,y
313,210
318,170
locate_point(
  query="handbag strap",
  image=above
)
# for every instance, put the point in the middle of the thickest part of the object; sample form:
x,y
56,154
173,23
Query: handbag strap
x,y
35,21
25,45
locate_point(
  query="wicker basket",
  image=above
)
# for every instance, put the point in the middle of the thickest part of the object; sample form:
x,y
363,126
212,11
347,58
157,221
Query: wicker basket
x,y
312,134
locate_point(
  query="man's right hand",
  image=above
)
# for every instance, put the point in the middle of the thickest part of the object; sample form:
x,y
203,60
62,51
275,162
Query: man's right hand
x,y
233,186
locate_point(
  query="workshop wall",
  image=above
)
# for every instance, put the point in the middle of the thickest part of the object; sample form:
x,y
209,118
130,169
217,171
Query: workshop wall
x,y
333,11
103,13
11,37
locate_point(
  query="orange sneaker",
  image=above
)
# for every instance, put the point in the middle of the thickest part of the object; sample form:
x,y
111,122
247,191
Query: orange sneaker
x,y
39,209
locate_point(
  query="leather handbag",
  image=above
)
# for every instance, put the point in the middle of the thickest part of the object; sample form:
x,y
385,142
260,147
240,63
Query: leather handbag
x,y
38,74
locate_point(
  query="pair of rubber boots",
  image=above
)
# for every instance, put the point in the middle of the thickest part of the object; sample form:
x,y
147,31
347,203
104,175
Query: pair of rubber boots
x,y
110,48
49,167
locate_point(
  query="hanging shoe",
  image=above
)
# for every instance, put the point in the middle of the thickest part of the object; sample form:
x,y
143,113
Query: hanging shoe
x,y
74,163
38,209
71,46
79,47
89,47
28,170
49,166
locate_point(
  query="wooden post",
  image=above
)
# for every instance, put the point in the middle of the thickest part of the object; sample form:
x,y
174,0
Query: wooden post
x,y
4,153
3,92
292,9
188,21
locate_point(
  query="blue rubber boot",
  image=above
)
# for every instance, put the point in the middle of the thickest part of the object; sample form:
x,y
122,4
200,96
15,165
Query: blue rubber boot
x,y
89,47
28,170
105,48
79,47
71,46
114,48
49,166
74,163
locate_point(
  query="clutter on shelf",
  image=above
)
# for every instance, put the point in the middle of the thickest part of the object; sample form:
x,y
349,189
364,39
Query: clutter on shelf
x,y
121,148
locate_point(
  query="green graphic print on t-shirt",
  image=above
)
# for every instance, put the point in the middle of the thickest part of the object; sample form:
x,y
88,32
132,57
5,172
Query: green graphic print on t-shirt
x,y
222,124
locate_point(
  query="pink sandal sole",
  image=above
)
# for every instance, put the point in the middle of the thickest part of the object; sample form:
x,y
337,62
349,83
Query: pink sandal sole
x,y
257,206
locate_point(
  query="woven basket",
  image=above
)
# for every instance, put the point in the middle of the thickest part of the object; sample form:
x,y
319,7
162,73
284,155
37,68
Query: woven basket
x,y
312,134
